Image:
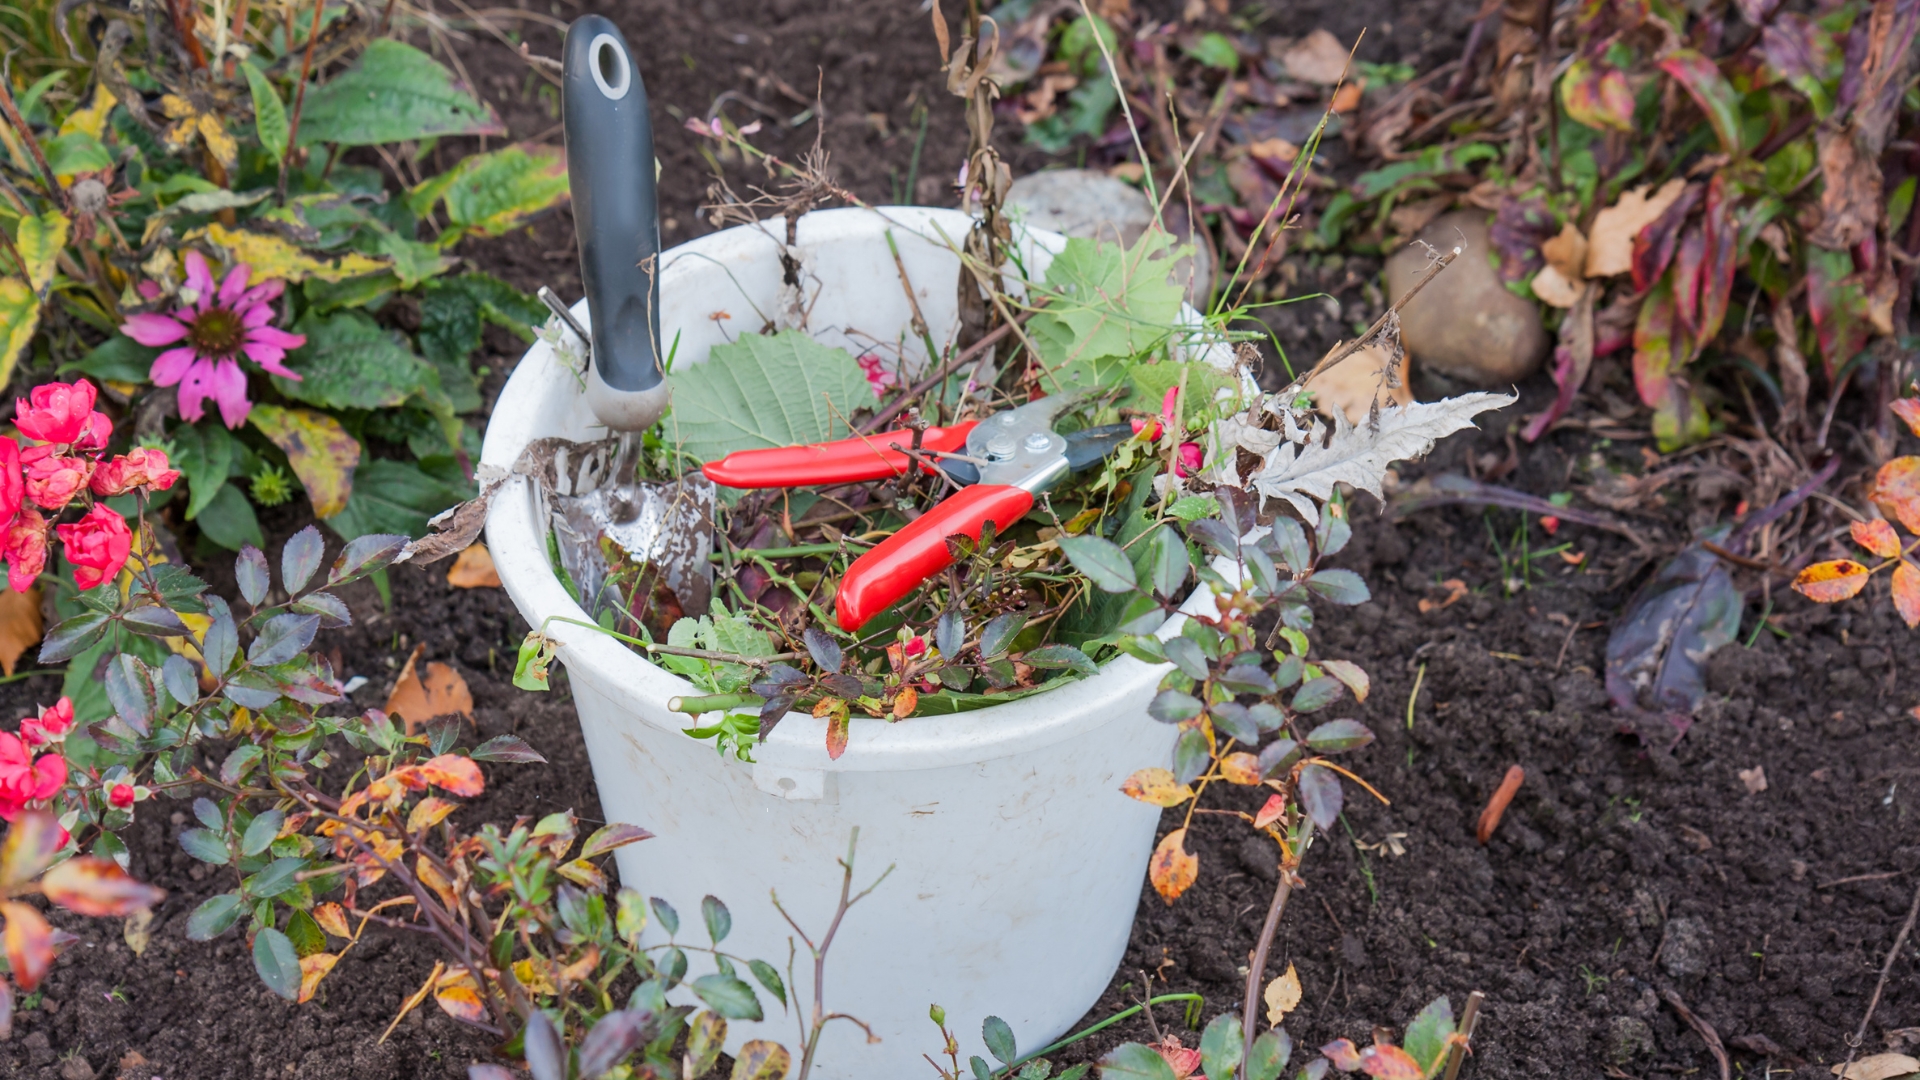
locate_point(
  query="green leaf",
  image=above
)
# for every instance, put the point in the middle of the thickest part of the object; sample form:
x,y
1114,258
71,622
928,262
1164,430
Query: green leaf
x,y
119,359
1270,1054
1317,694
352,362
488,194
394,497
1426,1037
394,93
261,832
1135,1061
999,1039
76,152
228,520
1167,561
719,921
276,879
73,636
668,917
1221,1045
306,935
202,844
215,917
769,977
1107,301
1103,561
764,391
269,115
728,996
279,966
1195,507
204,453
1061,656
1215,50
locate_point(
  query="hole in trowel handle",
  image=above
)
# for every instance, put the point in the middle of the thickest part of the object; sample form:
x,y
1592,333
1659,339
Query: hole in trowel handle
x,y
786,783
609,65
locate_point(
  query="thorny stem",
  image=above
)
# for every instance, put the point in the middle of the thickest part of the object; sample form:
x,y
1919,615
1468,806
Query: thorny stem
x,y
1257,966
1469,1019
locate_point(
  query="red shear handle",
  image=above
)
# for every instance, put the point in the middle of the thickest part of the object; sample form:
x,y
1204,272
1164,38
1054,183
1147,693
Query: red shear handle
x,y
844,461
902,561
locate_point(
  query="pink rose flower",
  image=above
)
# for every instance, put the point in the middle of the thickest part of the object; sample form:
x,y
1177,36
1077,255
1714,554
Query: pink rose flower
x,y
53,480
25,549
121,796
63,414
23,779
97,545
52,725
142,466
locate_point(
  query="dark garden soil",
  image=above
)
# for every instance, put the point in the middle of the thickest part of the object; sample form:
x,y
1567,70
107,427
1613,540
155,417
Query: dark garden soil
x,y
1617,872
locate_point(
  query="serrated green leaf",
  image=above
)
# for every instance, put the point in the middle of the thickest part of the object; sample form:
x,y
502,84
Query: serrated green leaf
x,y
1102,561
395,93
1107,301
1426,1037
215,917
764,390
1135,1061
728,996
488,194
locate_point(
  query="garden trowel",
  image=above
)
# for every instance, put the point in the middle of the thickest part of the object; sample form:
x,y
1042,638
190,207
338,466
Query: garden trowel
x,y
623,538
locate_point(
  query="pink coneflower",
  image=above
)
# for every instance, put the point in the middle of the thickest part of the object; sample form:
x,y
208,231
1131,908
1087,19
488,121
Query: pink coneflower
x,y
217,324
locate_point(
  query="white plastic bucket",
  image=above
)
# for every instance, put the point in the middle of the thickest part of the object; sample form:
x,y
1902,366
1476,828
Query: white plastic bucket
x,y
1017,862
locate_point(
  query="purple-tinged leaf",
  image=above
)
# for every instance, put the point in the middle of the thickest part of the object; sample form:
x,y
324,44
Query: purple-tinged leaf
x,y
250,571
300,558
363,555
1722,254
1337,735
1317,694
1654,342
1320,794
1519,227
1173,707
1277,757
1657,654
610,837
1688,259
1653,244
1837,300
1702,80
1596,94
1235,722
824,650
507,748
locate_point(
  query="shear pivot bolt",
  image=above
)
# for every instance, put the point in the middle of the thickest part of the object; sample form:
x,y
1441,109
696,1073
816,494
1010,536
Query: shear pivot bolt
x,y
1000,447
1038,441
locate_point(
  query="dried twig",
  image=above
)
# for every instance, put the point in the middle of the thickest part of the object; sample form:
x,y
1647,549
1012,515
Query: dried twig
x,y
1705,1030
1879,987
1469,1019
1497,806
969,354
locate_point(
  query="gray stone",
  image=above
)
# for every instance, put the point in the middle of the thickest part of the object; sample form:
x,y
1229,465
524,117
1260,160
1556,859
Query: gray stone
x,y
1689,943
1090,204
1465,324
76,1068
1628,1037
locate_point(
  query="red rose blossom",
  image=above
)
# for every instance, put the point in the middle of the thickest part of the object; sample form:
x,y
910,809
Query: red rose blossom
x,y
62,413
121,796
53,480
25,549
97,545
23,779
142,466
12,487
51,725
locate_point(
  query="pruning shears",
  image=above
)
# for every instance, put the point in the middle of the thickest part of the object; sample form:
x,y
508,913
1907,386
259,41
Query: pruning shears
x,y
1009,458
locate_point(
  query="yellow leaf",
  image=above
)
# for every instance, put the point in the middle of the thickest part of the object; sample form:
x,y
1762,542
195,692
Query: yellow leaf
x,y
20,625
1240,768
333,919
92,119
312,969
431,877
273,257
533,978
1156,786
19,315
137,931
462,1003
430,811
1281,996
1173,869
40,241
321,452
473,569
218,141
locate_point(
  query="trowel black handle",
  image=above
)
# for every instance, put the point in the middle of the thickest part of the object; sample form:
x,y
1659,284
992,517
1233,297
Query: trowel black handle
x,y
610,169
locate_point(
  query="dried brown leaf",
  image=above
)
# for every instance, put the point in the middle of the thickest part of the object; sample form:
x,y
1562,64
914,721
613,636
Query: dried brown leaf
x,y
1610,241
20,625
474,569
441,692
